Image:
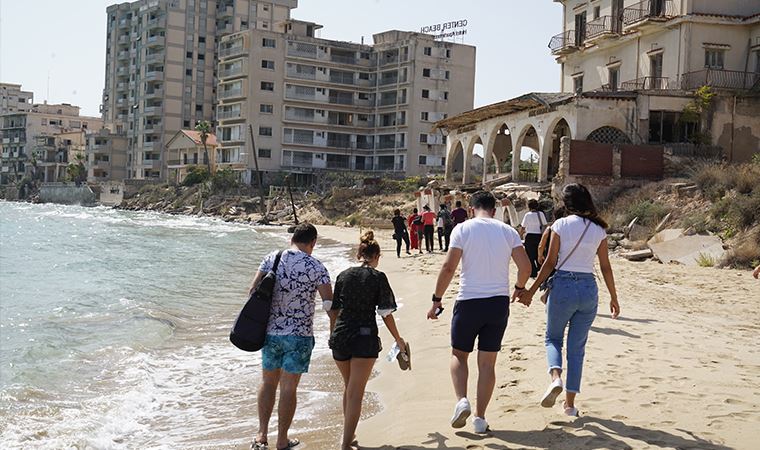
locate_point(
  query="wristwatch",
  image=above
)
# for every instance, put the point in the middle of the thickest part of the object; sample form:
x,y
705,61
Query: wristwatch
x,y
437,299
518,288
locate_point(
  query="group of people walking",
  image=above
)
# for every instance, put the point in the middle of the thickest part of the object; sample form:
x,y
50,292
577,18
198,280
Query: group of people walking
x,y
419,228
483,246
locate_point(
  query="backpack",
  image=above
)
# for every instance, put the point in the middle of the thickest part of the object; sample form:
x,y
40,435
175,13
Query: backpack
x,y
446,216
417,220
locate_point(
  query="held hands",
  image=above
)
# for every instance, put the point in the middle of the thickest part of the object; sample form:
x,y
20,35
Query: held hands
x,y
431,313
614,308
523,296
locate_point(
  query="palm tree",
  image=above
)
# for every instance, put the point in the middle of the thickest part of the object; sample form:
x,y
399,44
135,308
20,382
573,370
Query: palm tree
x,y
203,127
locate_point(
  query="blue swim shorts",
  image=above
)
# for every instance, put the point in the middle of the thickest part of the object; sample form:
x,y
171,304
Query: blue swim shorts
x,y
289,353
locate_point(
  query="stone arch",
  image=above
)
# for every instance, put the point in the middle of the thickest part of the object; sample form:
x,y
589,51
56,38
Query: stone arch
x,y
609,135
455,161
498,156
471,169
530,138
559,128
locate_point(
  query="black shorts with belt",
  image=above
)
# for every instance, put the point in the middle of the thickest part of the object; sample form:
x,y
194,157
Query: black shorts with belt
x,y
481,318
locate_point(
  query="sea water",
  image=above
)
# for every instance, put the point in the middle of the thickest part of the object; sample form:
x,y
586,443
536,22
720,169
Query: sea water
x,y
114,331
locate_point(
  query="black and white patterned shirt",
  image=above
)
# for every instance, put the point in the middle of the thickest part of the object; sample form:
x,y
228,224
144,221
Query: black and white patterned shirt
x,y
298,277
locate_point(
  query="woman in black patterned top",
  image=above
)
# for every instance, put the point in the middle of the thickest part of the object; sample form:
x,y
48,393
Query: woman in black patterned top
x,y
360,293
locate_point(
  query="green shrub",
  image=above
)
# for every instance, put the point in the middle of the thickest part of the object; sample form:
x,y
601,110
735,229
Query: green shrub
x,y
195,175
705,260
649,212
224,180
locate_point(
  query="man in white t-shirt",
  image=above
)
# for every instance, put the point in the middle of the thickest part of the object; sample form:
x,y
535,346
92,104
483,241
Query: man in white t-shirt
x,y
484,245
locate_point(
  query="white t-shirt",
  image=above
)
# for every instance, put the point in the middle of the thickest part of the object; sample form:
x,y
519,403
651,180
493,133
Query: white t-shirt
x,y
533,221
569,230
486,246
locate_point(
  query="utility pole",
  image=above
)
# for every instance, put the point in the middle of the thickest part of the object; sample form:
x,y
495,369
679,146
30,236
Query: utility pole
x,y
258,174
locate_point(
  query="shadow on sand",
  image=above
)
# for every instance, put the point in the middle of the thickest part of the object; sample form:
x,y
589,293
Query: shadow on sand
x,y
585,432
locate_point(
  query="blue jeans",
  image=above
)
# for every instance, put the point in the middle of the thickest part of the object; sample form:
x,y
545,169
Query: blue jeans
x,y
573,300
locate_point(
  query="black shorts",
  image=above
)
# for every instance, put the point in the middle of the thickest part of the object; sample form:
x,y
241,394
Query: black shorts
x,y
358,347
484,318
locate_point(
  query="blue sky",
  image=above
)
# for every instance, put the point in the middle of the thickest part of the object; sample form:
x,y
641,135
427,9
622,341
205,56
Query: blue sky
x,y
65,41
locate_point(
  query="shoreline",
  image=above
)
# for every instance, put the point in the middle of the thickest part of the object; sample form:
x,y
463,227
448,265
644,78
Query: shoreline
x,y
652,378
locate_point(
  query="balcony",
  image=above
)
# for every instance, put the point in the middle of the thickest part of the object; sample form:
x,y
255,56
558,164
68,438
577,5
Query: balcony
x,y
228,52
564,43
720,79
232,72
226,12
123,55
154,75
122,72
123,39
122,102
648,84
121,86
343,59
389,144
602,27
154,57
226,94
155,93
158,22
649,10
100,165
341,78
152,110
151,164
156,41
229,115
341,99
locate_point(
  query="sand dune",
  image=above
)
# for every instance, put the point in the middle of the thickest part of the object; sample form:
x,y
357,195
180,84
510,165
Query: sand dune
x,y
677,370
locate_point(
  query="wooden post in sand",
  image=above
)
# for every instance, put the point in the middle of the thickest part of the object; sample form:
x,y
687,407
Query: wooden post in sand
x,y
258,174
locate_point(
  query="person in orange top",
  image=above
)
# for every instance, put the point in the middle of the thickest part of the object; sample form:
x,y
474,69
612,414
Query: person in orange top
x,y
428,220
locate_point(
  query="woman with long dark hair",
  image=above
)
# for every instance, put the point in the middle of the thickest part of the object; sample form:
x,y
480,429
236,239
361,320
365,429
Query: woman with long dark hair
x,y
533,224
576,240
400,232
360,293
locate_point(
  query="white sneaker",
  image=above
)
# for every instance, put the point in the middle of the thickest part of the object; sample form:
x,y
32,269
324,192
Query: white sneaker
x,y
550,397
480,424
570,411
461,412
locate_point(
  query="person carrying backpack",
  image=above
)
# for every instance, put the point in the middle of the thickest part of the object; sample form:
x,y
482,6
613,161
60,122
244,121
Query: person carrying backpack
x,y
446,224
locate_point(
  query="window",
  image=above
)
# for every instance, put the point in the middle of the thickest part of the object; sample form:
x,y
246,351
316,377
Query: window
x,y
266,108
578,84
447,74
201,39
447,52
265,131
268,43
667,127
580,28
422,160
267,86
446,95
428,51
364,55
189,55
201,56
423,138
189,72
613,77
264,24
265,7
714,58
198,108
265,153
424,116
757,61
655,67
426,73
425,93
186,124
267,64
597,10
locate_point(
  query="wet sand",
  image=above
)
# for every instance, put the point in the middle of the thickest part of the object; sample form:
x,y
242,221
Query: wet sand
x,y
678,369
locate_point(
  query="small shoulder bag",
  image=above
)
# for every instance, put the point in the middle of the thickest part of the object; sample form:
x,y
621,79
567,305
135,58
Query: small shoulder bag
x,y
250,328
547,285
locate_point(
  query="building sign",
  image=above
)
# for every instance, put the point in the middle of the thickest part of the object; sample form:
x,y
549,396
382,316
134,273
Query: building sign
x,y
445,30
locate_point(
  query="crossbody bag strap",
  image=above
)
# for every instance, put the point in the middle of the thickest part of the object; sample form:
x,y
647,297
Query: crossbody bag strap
x,y
276,262
541,222
575,247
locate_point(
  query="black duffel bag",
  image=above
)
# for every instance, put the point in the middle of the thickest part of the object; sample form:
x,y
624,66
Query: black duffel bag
x,y
250,328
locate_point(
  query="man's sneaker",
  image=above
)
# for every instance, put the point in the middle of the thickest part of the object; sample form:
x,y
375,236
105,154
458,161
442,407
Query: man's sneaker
x,y
461,412
550,397
480,425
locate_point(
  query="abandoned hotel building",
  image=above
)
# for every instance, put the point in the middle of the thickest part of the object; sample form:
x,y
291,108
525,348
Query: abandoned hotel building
x,y
629,71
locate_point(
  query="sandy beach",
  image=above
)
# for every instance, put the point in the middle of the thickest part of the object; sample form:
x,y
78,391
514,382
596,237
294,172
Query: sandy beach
x,y
678,369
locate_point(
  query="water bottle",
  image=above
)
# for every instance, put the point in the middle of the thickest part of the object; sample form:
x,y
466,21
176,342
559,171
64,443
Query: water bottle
x,y
395,350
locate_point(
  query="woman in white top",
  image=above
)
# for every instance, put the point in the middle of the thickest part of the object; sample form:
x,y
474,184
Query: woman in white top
x,y
576,240
533,224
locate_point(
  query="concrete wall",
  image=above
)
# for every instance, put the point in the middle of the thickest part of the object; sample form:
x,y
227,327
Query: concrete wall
x,y
111,194
735,126
67,194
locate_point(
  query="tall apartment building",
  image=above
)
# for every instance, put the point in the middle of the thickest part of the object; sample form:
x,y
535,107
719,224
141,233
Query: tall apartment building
x,y
658,44
13,99
161,68
30,137
317,104
106,156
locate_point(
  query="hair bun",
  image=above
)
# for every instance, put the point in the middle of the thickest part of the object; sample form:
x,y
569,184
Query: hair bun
x,y
368,237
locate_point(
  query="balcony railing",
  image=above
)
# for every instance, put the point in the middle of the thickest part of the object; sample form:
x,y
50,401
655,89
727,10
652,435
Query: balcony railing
x,y
230,93
563,42
156,41
648,84
154,57
341,78
720,79
343,59
602,26
649,10
231,51
222,115
232,72
341,100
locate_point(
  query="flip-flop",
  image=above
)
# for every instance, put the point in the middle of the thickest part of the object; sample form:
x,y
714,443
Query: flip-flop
x,y
404,358
291,443
259,445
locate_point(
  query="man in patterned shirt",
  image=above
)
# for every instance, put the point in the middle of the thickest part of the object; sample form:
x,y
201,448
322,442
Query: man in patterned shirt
x,y
290,338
